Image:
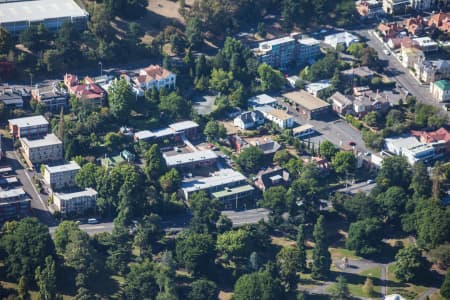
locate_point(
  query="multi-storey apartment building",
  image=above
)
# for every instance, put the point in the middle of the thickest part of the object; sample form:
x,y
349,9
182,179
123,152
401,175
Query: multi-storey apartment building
x,y
52,97
13,203
440,90
61,176
28,127
279,53
155,76
48,148
76,203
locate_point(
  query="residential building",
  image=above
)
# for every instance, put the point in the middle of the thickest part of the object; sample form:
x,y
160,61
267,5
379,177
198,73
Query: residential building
x,y
232,198
155,76
279,117
14,203
303,131
393,7
271,177
369,8
61,176
28,127
45,149
389,30
249,119
397,43
76,203
415,25
262,100
218,181
174,132
438,139
267,145
427,45
191,160
429,71
281,52
342,104
308,105
440,21
440,90
19,15
11,98
421,4
314,88
411,148
341,39
410,56
53,97
89,91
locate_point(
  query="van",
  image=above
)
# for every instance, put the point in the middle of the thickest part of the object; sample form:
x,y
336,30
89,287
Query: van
x,y
92,221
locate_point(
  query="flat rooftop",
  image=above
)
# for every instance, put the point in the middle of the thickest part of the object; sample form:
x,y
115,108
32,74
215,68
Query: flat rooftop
x,y
29,121
71,166
306,100
48,140
190,157
224,176
183,125
17,192
308,41
69,196
39,10
262,99
280,114
233,191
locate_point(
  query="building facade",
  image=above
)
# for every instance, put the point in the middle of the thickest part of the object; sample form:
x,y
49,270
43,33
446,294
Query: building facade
x,y
249,119
410,148
281,52
16,16
308,105
48,148
155,76
28,127
440,90
14,203
61,176
76,203
88,92
52,97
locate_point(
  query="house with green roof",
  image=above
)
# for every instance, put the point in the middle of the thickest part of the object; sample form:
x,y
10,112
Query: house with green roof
x,y
440,90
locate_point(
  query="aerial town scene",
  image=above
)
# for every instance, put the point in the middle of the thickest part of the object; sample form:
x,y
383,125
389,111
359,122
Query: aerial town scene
x,y
224,149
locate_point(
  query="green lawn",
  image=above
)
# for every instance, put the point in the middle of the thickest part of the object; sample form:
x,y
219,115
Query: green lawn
x,y
407,290
374,272
339,253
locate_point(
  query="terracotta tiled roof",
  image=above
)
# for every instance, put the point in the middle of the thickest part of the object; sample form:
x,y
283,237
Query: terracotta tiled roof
x,y
441,134
153,72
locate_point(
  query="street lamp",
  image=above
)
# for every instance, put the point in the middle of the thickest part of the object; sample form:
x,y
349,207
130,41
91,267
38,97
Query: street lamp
x,y
31,81
101,68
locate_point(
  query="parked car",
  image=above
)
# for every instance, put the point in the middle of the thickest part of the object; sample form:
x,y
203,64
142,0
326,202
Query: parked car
x,y
92,221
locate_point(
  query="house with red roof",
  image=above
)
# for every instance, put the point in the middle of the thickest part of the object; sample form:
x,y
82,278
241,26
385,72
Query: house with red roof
x,y
155,76
439,139
415,25
87,91
440,21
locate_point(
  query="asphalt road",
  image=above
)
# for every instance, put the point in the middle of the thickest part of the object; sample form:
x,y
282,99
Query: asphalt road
x,y
396,71
358,187
250,216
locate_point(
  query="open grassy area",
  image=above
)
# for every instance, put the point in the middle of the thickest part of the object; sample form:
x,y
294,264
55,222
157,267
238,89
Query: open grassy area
x,y
407,290
282,241
373,273
339,253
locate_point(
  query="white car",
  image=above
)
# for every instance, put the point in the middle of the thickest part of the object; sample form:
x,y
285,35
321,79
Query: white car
x,y
387,52
92,221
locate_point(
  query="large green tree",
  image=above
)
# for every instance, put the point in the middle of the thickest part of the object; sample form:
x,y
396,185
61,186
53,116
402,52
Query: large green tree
x,y
26,244
365,237
344,162
46,279
301,247
259,285
148,232
203,289
340,290
140,282
120,97
289,262
196,252
321,256
395,171
445,287
250,159
409,263
6,42
234,243
205,213
271,79
328,150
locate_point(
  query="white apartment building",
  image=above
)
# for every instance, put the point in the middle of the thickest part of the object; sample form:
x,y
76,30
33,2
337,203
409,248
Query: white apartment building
x,y
77,202
440,90
279,117
410,148
28,126
155,76
60,176
48,148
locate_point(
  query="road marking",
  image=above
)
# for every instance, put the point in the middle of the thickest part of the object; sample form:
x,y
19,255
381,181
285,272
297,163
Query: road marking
x,y
92,227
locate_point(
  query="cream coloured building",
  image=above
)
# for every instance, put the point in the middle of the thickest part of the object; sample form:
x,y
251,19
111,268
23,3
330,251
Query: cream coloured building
x,y
60,176
48,148
440,90
77,202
